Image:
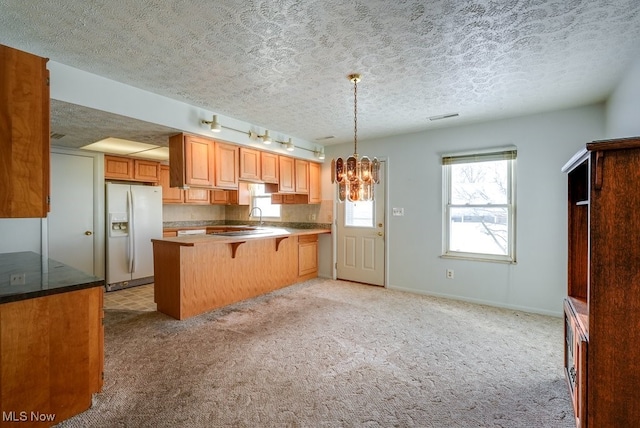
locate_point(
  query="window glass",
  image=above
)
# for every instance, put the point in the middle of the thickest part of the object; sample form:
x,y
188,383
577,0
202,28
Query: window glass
x,y
478,207
261,199
359,214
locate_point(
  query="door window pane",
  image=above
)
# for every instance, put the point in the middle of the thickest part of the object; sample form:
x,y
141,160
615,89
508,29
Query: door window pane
x,y
359,214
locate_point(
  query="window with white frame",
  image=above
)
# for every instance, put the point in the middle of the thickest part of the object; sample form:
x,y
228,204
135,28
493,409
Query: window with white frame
x,y
262,200
479,205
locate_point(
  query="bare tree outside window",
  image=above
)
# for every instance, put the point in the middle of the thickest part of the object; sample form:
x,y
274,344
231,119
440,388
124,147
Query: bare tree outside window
x,y
478,210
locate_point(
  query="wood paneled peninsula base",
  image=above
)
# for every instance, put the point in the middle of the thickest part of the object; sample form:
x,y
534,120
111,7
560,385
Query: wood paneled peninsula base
x,y
195,274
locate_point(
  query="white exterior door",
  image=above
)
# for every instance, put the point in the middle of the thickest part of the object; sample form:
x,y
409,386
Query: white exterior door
x,y
361,238
70,221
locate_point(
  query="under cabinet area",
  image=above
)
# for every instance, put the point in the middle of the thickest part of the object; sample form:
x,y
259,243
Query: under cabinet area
x,y
602,308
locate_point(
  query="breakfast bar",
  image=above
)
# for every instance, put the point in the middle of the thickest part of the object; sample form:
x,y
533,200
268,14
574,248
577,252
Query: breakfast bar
x,y
197,273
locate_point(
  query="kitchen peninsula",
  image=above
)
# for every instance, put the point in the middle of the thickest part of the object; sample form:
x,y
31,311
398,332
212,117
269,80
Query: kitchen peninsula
x,y
51,340
197,273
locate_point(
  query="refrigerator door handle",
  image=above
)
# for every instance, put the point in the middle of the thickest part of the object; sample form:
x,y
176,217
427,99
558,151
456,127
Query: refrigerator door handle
x,y
131,231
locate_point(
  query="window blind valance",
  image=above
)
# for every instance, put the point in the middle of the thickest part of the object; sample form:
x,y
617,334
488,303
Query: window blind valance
x,y
493,155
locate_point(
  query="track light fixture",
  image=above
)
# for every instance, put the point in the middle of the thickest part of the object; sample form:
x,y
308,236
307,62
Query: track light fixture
x,y
215,125
319,153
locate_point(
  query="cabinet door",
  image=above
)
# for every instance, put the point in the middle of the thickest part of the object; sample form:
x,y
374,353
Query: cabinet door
x,y
24,134
118,168
146,170
287,174
315,188
308,255
226,166
170,195
250,165
270,167
191,161
196,196
219,197
302,176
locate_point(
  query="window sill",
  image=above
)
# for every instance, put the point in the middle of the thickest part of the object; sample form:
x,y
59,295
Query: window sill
x,y
479,258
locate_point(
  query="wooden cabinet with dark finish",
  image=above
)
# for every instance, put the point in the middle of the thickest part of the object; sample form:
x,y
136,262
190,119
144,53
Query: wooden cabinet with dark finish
x,y
602,308
24,135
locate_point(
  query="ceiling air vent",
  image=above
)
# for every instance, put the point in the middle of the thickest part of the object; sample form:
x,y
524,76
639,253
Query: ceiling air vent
x,y
444,116
56,136
329,137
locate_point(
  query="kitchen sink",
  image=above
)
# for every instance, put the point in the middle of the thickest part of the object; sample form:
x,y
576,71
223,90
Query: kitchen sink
x,y
244,232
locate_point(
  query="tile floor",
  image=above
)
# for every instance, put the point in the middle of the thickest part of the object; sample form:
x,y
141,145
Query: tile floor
x,y
138,298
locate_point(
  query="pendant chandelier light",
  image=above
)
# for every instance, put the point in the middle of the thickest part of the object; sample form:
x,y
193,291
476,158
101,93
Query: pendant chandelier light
x,y
356,176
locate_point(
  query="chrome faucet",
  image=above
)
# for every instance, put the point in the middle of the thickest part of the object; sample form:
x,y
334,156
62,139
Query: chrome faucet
x,y
259,209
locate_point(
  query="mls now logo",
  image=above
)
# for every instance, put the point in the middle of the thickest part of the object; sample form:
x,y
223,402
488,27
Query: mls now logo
x,y
27,416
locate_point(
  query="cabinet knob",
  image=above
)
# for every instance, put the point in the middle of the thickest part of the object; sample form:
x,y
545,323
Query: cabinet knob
x,y
88,233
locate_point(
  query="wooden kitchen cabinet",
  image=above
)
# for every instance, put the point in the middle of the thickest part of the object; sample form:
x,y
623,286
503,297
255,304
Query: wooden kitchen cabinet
x,y
24,134
315,186
302,176
286,167
129,169
174,195
226,160
307,257
51,354
602,307
270,167
313,195
170,195
250,164
191,161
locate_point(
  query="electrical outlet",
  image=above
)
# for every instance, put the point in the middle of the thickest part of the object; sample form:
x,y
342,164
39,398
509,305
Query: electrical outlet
x,y
449,273
17,279
312,217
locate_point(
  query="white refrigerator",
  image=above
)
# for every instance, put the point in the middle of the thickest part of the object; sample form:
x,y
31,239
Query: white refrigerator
x,y
134,218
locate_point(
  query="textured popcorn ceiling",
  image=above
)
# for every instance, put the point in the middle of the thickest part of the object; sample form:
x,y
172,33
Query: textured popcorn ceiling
x,y
282,64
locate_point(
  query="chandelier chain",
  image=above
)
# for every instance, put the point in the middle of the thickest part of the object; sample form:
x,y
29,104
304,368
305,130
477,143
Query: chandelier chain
x,y
355,117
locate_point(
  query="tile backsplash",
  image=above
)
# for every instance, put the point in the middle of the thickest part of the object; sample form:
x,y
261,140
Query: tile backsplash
x,y
295,213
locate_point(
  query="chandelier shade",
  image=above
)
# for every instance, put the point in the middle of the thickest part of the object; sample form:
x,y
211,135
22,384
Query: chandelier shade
x,y
355,176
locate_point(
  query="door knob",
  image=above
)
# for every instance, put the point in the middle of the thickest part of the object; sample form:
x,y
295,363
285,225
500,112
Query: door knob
x,y
379,224
88,233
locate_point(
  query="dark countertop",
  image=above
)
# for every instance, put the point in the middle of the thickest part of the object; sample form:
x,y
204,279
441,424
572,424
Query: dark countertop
x,y
42,277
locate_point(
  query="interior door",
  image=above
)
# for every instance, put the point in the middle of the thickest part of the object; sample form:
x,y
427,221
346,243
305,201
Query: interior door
x,y
361,238
70,221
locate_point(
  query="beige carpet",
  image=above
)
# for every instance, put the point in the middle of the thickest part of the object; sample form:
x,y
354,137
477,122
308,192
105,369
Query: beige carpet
x,y
333,354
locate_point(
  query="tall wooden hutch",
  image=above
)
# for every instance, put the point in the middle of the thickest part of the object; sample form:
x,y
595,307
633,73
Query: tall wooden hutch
x,y
602,308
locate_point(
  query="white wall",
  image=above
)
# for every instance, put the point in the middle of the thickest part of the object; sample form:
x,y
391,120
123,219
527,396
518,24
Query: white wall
x,y
20,234
623,107
537,283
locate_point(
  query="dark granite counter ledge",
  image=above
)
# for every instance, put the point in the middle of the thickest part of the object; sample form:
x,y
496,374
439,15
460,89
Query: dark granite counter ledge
x,y
42,277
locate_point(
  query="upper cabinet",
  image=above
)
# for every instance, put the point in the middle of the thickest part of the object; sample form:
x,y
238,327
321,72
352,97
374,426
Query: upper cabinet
x,y
226,172
202,163
270,167
302,176
250,164
24,134
121,168
191,161
286,166
315,188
